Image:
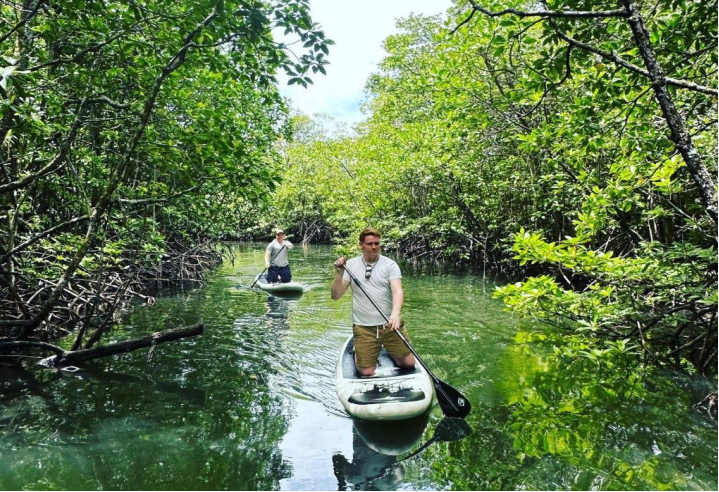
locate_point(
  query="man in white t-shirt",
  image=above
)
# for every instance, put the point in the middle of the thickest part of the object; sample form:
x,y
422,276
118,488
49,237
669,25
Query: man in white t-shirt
x,y
382,280
276,259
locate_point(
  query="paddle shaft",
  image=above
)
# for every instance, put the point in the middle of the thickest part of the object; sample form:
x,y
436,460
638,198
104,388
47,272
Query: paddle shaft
x,y
263,271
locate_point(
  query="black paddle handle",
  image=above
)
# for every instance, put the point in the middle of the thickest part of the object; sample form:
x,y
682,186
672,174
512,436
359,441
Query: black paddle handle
x,y
263,271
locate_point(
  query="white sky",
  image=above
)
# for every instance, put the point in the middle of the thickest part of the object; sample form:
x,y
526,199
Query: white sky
x,y
358,28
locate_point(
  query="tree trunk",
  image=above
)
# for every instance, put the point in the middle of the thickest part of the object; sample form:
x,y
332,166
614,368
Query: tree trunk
x,y
679,134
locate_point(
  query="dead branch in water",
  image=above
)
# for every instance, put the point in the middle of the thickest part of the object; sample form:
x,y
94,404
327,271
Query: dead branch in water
x,y
69,357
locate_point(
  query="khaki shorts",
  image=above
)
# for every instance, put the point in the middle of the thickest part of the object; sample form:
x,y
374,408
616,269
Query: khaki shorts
x,y
368,346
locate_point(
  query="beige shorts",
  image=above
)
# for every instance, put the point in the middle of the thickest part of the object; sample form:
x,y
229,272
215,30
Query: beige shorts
x,y
368,346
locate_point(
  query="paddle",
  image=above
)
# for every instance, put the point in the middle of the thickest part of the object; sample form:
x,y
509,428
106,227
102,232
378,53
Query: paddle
x,y
451,401
449,429
263,271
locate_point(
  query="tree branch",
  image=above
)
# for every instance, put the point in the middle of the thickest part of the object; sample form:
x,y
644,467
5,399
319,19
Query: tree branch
x,y
622,13
675,122
146,201
630,66
581,14
54,164
23,21
27,343
43,234
66,358
79,56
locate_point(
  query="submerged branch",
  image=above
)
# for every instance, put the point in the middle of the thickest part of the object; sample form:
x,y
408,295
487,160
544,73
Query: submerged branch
x,y
65,358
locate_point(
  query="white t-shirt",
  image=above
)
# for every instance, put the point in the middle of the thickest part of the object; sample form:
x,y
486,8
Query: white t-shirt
x,y
377,286
280,257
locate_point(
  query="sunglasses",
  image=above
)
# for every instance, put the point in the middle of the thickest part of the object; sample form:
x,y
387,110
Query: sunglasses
x,y
368,271
374,243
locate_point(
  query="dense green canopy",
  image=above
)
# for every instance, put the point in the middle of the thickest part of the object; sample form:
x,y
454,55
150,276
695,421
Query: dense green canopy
x,y
127,125
572,140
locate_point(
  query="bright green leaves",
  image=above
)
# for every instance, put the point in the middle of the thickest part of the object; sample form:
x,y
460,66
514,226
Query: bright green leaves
x,y
182,155
664,179
295,18
499,128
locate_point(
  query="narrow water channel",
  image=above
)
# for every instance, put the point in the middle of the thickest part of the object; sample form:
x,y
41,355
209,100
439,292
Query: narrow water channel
x,y
251,405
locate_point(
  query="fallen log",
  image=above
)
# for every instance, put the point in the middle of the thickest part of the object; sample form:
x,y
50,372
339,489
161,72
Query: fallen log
x,y
66,358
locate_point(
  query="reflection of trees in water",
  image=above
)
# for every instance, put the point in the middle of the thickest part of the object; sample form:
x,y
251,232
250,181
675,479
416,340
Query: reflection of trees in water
x,y
589,425
377,446
201,416
204,418
114,431
17,382
571,429
485,460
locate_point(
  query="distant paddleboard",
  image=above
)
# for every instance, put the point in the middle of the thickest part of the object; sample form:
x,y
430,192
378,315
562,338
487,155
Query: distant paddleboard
x,y
288,288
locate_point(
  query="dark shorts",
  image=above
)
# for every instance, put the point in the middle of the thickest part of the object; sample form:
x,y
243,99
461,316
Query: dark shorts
x,y
277,274
368,346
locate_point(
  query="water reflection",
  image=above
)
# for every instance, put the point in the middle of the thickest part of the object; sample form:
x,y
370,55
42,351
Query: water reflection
x,y
375,448
251,404
16,380
171,393
278,312
448,430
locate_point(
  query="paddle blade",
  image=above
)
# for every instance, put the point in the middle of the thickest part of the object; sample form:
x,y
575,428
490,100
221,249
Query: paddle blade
x,y
452,402
450,429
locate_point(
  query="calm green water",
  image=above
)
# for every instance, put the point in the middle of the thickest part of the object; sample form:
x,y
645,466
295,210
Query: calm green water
x,y
251,404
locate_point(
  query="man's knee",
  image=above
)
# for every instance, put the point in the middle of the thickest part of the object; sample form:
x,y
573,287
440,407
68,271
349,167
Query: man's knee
x,y
366,371
406,362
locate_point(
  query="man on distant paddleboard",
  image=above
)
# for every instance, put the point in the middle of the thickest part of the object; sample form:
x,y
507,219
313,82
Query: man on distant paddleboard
x,y
382,280
276,259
